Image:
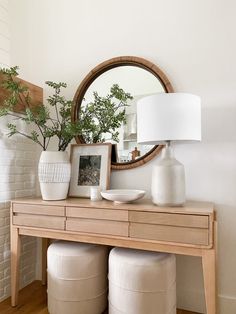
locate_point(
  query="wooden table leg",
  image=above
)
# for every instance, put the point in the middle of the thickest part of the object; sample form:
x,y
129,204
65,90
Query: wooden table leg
x,y
209,275
45,244
15,264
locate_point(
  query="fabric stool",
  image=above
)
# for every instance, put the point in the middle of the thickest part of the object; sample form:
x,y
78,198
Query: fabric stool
x,y
77,278
141,282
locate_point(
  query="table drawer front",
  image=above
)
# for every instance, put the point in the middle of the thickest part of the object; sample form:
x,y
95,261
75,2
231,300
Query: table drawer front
x,y
39,221
47,210
181,220
196,236
97,213
116,228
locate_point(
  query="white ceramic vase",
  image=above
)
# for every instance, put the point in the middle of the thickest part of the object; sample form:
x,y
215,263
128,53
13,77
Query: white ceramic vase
x,y
54,171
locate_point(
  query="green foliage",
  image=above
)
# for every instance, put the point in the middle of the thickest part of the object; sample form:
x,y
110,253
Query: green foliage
x,y
104,115
47,125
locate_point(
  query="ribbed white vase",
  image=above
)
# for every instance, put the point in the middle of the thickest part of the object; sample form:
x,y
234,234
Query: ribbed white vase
x,y
54,171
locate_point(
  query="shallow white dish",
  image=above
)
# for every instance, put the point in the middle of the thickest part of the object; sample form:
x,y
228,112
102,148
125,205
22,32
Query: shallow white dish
x,y
122,196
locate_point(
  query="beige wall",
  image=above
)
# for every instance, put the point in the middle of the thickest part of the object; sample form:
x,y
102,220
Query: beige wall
x,y
193,41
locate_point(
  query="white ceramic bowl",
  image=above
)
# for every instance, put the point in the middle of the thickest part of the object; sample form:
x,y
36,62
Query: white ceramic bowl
x,y
122,196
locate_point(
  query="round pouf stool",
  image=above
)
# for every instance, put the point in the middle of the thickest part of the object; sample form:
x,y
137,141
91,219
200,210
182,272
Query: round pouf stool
x,y
77,278
141,282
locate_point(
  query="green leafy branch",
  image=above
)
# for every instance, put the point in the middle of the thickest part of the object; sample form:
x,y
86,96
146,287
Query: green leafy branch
x,y
47,126
104,115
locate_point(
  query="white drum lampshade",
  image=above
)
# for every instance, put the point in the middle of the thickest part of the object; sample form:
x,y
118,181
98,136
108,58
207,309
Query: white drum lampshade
x,y
162,118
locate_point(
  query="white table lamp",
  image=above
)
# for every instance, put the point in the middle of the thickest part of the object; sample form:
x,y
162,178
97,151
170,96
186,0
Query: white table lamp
x,y
163,118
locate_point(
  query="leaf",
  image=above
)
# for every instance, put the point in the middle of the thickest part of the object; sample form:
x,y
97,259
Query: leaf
x,y
12,128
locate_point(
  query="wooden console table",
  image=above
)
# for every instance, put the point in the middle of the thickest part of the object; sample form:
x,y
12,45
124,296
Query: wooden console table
x,y
188,230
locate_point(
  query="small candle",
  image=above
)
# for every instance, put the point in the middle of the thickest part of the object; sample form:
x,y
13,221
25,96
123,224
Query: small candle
x,y
95,193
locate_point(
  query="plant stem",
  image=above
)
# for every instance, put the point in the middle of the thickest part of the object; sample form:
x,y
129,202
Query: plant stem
x,y
29,137
47,142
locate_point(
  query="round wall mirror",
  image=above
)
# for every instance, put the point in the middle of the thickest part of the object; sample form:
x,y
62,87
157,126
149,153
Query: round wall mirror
x,y
118,83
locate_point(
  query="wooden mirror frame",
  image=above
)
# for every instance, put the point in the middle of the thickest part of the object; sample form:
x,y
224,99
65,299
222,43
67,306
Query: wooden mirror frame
x,y
108,65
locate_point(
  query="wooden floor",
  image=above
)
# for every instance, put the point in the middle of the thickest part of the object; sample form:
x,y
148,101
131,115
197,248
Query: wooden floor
x,y
33,300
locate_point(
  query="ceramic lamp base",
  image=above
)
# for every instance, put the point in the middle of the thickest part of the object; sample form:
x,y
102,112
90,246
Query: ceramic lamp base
x,y
168,181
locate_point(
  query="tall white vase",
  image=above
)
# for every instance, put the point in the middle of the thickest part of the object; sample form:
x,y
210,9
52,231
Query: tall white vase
x,y
54,171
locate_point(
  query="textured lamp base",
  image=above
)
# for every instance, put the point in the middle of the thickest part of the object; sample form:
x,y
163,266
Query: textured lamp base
x,y
168,180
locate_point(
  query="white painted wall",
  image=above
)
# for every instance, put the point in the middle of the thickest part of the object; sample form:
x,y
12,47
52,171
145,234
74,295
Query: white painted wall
x,y
17,178
4,34
194,43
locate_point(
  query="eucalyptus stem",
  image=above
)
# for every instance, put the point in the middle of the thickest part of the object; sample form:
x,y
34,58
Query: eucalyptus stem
x,y
30,138
14,115
46,146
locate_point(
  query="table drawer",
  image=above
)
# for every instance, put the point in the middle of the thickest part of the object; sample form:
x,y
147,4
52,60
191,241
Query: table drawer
x,y
196,236
47,210
181,220
116,228
97,213
39,221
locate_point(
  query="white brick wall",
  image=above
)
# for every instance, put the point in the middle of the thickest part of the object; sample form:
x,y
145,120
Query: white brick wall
x,y
17,178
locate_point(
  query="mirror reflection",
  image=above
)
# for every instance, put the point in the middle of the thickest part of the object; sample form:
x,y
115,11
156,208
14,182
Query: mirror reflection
x,y
109,105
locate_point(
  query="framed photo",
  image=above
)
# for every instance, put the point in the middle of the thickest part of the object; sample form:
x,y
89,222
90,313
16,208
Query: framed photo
x,y
90,166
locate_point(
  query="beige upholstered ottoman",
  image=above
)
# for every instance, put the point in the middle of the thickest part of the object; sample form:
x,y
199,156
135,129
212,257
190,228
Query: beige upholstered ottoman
x,y
77,278
141,282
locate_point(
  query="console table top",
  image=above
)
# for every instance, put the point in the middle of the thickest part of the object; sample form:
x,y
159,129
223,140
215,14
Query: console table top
x,y
189,207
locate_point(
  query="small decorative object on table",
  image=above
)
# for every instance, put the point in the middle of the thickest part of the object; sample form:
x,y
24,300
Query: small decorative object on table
x,y
95,193
123,196
91,164
54,167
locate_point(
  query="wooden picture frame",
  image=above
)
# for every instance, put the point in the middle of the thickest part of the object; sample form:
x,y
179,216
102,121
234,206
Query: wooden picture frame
x,y
90,166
